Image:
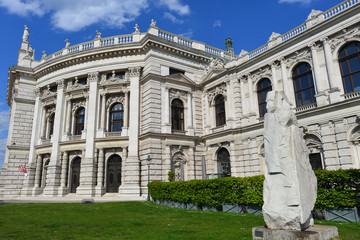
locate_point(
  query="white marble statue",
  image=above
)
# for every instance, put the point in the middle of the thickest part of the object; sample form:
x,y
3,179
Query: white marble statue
x,y
25,34
290,184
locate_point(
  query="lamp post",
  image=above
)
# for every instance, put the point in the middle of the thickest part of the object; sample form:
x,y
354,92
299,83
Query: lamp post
x,y
148,159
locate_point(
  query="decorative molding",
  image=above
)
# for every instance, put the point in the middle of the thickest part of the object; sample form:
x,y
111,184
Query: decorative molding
x,y
37,92
212,93
77,104
113,99
243,78
50,110
111,80
47,93
299,56
134,71
217,63
344,36
263,72
174,93
93,76
76,85
60,84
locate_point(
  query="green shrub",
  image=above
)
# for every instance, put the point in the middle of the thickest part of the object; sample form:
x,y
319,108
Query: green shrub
x,y
171,176
339,188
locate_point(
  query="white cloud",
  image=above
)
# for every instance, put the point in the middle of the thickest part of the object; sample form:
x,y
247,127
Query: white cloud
x,y
172,18
176,6
295,1
187,34
217,23
73,15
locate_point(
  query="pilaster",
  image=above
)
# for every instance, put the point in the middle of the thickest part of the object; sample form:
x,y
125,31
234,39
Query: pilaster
x,y
131,185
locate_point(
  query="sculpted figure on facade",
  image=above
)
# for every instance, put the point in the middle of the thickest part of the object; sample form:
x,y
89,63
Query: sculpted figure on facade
x,y
217,63
25,34
290,184
153,23
137,29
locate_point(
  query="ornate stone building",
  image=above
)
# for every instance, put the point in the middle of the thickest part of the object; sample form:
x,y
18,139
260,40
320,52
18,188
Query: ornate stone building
x,y
84,119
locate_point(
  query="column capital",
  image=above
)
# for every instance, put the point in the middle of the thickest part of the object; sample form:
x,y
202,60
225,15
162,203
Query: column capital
x,y
325,40
93,76
134,71
60,84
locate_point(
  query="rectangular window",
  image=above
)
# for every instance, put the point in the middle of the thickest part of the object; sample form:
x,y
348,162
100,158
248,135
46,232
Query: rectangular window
x,y
175,71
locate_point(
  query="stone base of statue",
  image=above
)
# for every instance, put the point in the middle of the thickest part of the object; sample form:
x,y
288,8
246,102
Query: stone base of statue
x,y
316,232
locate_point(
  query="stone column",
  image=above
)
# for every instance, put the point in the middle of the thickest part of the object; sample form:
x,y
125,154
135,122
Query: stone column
x,y
276,85
28,184
334,89
43,123
190,125
102,115
63,189
124,131
37,188
68,117
100,189
287,84
54,167
84,132
244,106
252,100
320,83
166,128
87,170
229,111
131,185
207,123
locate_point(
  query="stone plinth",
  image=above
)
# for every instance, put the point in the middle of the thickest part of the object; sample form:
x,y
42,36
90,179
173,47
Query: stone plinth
x,y
316,232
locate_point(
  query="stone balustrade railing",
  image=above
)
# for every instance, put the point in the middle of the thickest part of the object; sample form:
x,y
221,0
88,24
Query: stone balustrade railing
x,y
306,107
352,95
322,16
136,37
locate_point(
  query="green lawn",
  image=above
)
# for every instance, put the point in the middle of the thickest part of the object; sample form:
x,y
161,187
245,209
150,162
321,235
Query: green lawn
x,y
131,220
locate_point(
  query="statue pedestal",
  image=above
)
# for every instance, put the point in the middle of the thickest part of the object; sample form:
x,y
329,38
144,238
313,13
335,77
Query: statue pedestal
x,y
316,232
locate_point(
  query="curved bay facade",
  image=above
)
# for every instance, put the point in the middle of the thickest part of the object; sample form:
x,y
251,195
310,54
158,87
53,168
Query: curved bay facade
x,y
85,119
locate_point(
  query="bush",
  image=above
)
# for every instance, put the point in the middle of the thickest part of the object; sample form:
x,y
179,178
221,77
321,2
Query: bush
x,y
339,188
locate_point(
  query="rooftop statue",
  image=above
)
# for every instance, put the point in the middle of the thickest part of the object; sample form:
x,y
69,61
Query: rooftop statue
x,y
26,34
137,29
228,44
98,35
153,23
290,184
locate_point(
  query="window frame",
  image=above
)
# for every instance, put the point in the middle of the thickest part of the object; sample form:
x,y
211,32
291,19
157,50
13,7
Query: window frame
x,y
310,79
177,124
346,59
261,94
220,116
118,121
79,127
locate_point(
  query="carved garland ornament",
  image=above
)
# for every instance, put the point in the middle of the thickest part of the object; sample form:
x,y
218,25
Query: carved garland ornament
x,y
113,99
298,57
344,36
174,93
77,104
212,93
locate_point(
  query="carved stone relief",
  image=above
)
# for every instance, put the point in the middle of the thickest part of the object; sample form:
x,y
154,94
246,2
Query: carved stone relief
x,y
344,36
113,99
77,104
212,93
174,93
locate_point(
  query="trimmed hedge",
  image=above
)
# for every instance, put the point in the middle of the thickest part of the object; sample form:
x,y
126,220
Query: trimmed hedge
x,y
339,188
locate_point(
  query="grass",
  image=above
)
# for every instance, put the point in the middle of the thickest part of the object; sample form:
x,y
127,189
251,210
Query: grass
x,y
131,220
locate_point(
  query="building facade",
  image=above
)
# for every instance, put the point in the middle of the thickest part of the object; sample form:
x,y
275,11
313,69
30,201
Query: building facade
x,y
85,119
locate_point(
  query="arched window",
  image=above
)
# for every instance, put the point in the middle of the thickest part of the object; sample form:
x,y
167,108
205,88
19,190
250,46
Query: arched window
x,y
116,117
79,120
177,115
220,110
223,160
263,87
51,124
349,59
303,85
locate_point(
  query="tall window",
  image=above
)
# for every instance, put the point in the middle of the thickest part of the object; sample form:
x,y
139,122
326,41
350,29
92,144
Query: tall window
x,y
79,120
116,117
263,87
177,115
220,110
51,124
223,160
303,85
349,59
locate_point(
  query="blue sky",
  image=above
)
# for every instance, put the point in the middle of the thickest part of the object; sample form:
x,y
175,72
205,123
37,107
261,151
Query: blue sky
x,y
249,23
